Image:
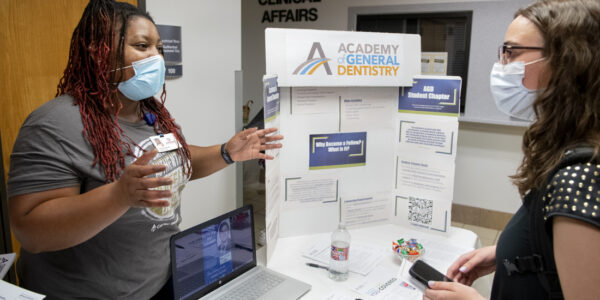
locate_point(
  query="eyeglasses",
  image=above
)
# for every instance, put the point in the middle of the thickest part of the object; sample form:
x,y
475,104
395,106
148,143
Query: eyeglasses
x,y
505,52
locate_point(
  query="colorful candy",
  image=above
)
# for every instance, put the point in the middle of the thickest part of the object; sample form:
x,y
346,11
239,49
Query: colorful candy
x,y
410,249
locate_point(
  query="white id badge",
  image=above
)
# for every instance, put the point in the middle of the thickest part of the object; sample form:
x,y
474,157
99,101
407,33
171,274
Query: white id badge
x,y
164,142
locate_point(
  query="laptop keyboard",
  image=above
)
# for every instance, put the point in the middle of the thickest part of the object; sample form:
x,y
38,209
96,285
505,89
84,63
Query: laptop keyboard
x,y
255,287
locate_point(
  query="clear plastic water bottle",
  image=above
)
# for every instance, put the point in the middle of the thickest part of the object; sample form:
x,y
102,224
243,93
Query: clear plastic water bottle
x,y
340,248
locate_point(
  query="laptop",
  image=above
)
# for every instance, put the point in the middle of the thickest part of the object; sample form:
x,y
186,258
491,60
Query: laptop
x,y
217,260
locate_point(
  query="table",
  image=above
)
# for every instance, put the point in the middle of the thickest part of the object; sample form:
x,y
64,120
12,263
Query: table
x,y
287,257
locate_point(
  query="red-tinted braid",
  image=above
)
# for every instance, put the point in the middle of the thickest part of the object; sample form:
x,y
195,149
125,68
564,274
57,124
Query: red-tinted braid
x,y
87,78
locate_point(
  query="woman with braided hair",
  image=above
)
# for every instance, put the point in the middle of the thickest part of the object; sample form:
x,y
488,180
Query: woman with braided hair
x,y
93,197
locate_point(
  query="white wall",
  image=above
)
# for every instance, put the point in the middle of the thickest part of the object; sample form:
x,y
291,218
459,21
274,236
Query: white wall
x,y
487,154
203,99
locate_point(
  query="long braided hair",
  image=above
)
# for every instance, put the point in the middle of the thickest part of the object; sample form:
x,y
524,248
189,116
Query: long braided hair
x,y
97,46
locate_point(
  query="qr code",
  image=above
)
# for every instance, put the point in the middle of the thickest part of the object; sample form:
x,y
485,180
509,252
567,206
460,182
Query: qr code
x,y
420,210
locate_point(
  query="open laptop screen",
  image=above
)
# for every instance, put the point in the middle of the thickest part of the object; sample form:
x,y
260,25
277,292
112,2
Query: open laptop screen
x,y
208,255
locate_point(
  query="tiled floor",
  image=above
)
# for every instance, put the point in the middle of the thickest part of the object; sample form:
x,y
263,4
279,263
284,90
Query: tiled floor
x,y
254,193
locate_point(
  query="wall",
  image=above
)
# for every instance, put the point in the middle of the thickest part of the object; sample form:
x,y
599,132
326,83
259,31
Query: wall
x,y
487,154
203,99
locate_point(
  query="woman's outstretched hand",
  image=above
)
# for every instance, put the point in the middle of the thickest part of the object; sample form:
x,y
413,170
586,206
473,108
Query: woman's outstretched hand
x,y
249,143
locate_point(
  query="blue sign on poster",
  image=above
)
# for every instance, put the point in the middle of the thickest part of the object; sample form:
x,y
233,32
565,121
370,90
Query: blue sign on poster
x,y
337,150
434,96
270,98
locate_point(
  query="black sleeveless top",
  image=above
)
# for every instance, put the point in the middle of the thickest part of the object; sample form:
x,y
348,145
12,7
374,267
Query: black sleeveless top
x,y
574,192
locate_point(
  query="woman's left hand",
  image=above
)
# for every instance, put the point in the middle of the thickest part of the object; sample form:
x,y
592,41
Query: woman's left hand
x,y
450,290
249,143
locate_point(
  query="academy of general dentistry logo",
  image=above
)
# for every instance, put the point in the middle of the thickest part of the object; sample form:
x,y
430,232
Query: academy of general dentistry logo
x,y
354,59
312,63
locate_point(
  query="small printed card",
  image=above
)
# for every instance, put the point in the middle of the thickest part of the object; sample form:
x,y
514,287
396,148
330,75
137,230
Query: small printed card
x,y
164,142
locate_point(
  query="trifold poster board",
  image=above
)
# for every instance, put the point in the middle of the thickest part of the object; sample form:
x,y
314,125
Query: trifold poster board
x,y
367,148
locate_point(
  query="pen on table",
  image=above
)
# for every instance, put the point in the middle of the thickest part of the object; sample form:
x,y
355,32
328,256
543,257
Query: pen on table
x,y
317,266
322,267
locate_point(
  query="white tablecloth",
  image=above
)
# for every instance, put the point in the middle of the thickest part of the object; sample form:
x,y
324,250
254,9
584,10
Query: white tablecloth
x,y
288,259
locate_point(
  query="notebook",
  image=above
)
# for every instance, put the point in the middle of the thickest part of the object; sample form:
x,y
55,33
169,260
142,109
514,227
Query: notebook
x,y
217,260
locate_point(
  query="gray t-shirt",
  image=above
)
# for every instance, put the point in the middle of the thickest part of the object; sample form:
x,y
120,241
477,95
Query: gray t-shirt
x,y
129,259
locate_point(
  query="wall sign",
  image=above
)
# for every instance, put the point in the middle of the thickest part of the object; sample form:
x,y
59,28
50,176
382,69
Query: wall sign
x,y
285,15
171,38
434,63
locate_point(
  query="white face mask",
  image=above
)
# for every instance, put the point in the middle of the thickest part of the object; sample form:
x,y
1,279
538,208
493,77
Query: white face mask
x,y
511,97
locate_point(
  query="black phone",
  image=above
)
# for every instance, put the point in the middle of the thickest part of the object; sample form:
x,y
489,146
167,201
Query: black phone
x,y
423,272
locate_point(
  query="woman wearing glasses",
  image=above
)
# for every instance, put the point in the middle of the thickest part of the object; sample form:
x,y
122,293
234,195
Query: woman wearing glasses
x,y
548,72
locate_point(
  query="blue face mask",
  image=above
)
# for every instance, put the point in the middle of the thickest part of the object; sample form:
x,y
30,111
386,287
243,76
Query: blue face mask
x,y
511,97
148,79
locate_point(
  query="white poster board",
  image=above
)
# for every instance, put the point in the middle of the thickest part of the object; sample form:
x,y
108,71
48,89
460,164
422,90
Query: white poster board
x,y
357,151
271,104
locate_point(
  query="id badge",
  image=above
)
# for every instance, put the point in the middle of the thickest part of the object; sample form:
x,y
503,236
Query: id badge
x,y
164,142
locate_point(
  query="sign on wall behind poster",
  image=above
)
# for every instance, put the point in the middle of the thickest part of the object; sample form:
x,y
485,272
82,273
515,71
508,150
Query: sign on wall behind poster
x,y
171,39
434,63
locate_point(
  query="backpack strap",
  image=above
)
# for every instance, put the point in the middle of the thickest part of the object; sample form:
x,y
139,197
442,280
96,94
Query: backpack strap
x,y
527,264
542,261
541,245
581,154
